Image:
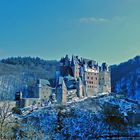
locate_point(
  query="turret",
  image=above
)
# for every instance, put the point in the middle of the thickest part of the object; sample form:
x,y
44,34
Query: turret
x,y
67,61
75,66
104,79
19,99
104,67
61,91
18,96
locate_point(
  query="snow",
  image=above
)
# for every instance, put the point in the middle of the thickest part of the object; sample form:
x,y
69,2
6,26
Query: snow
x,y
80,119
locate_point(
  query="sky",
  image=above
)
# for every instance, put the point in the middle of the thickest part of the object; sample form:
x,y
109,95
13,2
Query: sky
x,y
102,30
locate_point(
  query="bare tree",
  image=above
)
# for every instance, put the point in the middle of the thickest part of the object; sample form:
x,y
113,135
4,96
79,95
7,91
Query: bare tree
x,y
6,122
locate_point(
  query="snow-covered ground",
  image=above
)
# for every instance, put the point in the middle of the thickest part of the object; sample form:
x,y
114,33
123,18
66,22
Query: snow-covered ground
x,y
80,119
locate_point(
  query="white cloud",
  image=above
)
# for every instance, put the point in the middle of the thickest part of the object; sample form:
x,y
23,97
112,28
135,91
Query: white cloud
x,y
93,20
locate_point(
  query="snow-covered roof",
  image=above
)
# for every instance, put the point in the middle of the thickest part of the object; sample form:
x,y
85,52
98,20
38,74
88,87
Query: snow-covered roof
x,y
69,78
91,70
70,83
44,82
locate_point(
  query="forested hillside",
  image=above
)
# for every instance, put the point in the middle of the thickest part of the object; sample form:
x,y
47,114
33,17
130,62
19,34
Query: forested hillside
x,y
126,78
19,73
35,66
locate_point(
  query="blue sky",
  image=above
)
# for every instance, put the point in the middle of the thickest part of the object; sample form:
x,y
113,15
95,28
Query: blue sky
x,y
104,30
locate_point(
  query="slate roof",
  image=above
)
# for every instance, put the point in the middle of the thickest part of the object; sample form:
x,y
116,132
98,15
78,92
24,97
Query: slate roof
x,y
70,82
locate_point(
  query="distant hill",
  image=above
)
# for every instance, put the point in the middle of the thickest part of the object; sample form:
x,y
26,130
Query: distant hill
x,y
22,73
35,66
126,78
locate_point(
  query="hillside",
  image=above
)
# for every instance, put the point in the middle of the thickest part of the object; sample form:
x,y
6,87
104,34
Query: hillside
x,y
22,73
35,66
82,119
126,78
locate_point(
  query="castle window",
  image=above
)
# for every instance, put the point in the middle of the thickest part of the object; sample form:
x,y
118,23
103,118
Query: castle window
x,y
91,78
96,78
87,77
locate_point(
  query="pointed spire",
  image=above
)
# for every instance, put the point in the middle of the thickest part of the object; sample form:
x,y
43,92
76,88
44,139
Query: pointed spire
x,y
67,60
72,61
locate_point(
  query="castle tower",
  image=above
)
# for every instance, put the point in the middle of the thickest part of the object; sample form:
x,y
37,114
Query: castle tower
x,y
80,88
61,91
19,99
18,96
44,89
65,68
91,76
75,66
92,82
104,79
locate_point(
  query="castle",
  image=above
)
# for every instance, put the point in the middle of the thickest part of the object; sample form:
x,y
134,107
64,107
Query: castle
x,y
80,78
76,78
